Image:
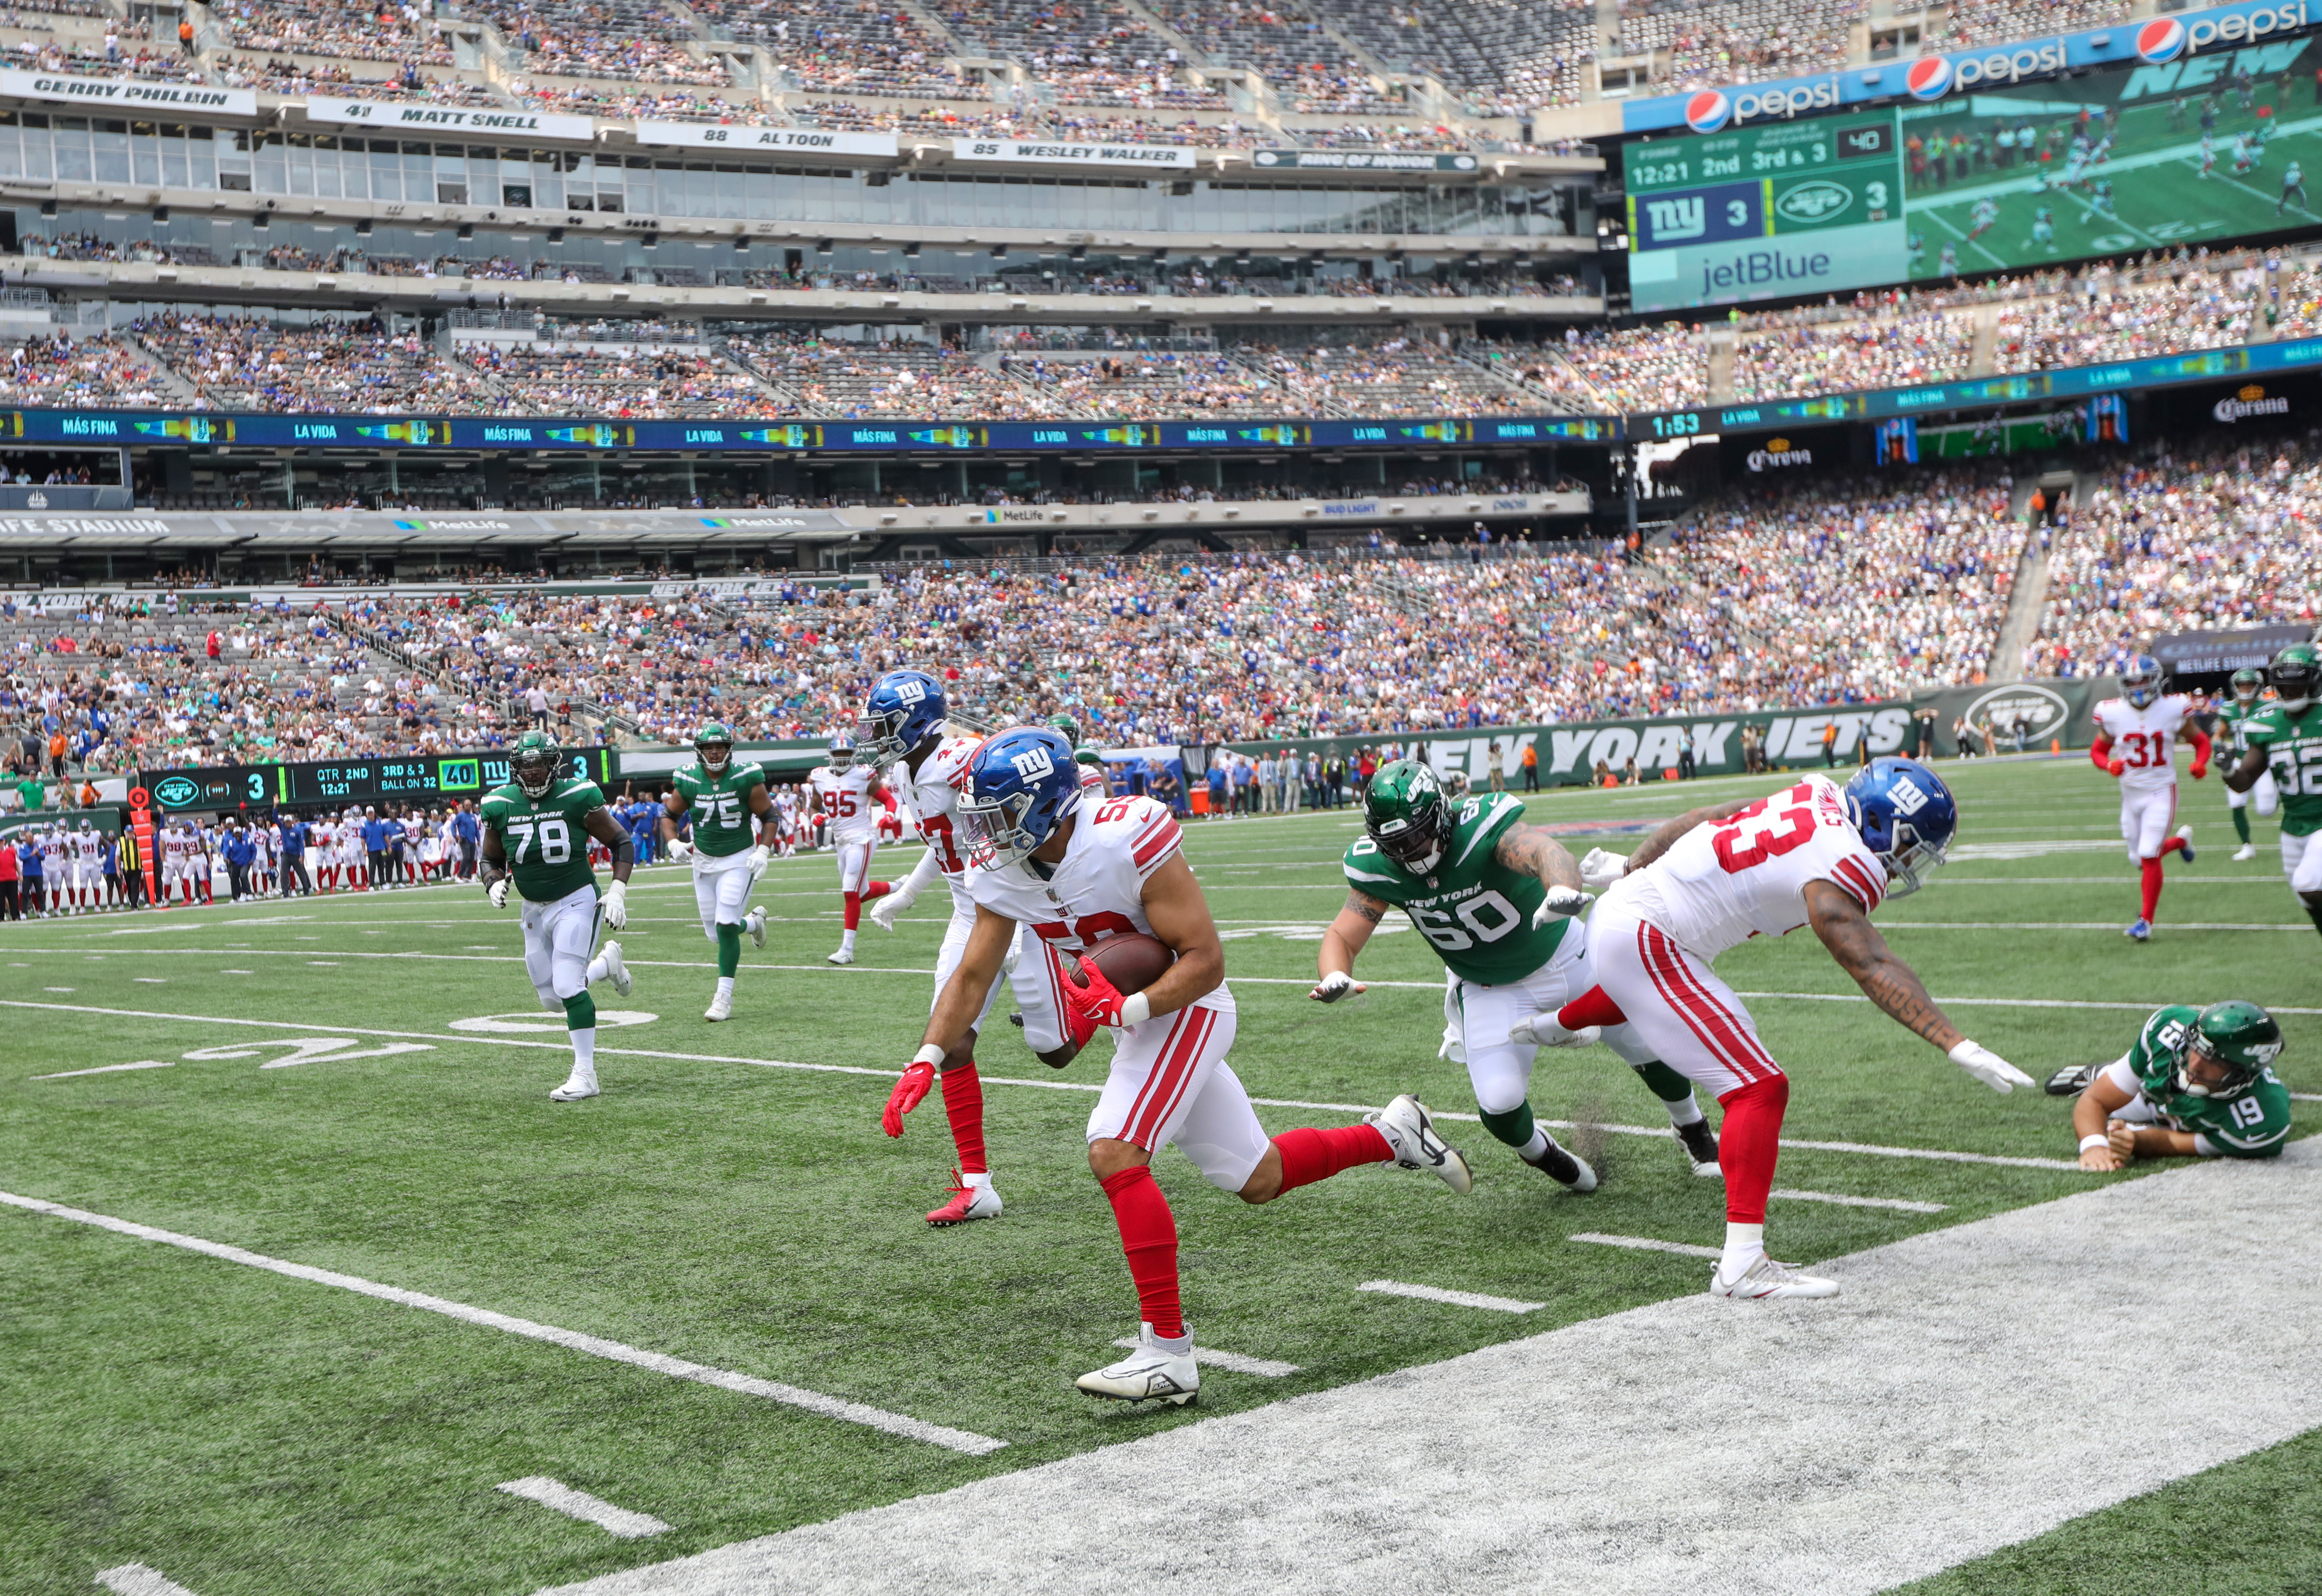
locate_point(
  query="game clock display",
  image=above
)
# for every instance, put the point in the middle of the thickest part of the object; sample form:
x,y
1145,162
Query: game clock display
x,y
325,783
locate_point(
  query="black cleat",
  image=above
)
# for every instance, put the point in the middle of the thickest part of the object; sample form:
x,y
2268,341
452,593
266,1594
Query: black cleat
x,y
1564,1167
2071,1081
1017,1020
1700,1144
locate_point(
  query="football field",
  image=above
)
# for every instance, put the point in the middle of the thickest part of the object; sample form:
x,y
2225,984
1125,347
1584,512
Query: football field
x,y
303,1270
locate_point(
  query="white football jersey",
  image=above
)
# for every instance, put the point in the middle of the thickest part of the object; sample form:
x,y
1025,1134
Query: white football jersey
x,y
1015,891
932,793
846,800
87,844
1100,882
2144,740
1726,881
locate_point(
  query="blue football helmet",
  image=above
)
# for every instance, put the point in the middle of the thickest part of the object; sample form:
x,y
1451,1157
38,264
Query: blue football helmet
x,y
903,711
843,756
2140,683
1020,785
1906,816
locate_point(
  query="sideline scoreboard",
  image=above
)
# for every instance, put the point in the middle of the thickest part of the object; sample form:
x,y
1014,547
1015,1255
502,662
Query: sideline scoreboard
x,y
320,783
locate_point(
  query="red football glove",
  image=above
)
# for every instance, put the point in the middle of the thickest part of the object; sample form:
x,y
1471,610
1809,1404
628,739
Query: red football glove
x,y
2117,766
1078,1027
1100,1002
910,1092
2199,769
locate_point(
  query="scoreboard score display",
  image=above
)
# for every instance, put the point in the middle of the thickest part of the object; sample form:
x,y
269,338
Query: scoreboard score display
x,y
1789,208
335,783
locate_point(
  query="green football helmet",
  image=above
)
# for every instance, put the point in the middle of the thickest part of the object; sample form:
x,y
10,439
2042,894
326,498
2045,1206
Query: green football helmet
x,y
1405,813
2296,674
713,745
534,764
2237,1037
1065,727
1087,754
2247,685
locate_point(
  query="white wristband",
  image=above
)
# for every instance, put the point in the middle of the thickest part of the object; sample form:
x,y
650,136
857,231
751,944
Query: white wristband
x,y
1135,1010
2094,1139
929,1053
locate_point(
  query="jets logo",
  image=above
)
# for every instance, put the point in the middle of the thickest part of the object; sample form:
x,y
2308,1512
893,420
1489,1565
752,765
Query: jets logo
x,y
2263,1053
1908,799
910,692
1033,764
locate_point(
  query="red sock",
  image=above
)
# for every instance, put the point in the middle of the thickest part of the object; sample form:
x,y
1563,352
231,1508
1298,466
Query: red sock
x,y
2173,845
963,1095
854,910
1592,1008
1748,1144
2153,885
1311,1156
871,889
1149,1237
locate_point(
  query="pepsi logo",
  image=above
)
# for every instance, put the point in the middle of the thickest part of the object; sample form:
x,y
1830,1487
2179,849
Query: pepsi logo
x,y
1929,78
2161,40
1707,111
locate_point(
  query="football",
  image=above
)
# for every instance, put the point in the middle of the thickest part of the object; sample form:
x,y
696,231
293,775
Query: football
x,y
1130,960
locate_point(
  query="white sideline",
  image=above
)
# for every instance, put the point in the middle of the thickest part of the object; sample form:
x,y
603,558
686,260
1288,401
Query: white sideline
x,y
559,1497
1394,1288
1920,1420
894,1423
1655,1131
1233,1363
1644,1243
135,1579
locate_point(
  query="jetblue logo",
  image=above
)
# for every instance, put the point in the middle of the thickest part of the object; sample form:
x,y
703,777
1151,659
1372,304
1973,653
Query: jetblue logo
x,y
1678,218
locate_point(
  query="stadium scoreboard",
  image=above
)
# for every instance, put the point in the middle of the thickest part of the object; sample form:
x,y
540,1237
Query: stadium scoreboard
x,y
327,782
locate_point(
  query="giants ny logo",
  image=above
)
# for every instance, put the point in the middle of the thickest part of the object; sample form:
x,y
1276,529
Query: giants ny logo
x,y
1033,763
1678,218
910,692
1908,799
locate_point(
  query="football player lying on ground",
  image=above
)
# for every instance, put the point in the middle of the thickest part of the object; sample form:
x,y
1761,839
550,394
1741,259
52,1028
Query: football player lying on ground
x,y
2196,1083
1114,866
534,840
1492,896
1713,879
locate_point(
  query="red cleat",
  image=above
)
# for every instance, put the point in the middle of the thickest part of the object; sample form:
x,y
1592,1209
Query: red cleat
x,y
967,1203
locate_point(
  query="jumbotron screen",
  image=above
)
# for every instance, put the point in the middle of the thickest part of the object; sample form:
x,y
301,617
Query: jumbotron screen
x,y
2203,149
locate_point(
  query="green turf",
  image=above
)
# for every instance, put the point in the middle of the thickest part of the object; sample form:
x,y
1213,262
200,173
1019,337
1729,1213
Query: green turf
x,y
248,1433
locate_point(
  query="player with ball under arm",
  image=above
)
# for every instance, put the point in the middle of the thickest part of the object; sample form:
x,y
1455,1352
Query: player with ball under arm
x,y
535,840
1097,868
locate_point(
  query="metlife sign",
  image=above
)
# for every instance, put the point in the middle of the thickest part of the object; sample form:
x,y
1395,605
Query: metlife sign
x,y
2153,41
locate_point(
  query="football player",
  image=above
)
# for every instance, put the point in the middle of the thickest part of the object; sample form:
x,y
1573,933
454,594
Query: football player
x,y
903,728
2137,734
846,793
1099,867
734,834
535,832
2247,699
2196,1083
2286,737
89,868
1492,896
1711,879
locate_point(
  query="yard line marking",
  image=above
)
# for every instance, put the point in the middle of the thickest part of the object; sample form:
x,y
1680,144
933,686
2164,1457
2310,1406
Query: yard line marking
x,y
1233,1362
1645,1244
1991,1002
1894,925
135,1579
2307,1096
1395,1287
559,1497
1863,1202
894,1423
108,1070
1655,1131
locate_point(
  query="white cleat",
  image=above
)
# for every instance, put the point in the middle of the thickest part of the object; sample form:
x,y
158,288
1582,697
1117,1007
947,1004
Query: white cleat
x,y
967,1203
843,956
1411,1133
755,924
1766,1280
721,1006
576,1087
616,969
1156,1369
2245,853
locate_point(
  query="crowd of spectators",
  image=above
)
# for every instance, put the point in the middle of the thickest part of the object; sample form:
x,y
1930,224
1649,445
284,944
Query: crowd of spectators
x,y
1664,367
2212,540
1885,353
2202,310
380,31
258,363
632,384
63,371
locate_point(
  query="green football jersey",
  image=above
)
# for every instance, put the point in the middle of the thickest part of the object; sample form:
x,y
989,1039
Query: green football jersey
x,y
546,843
2233,721
719,806
2254,1124
1473,910
2293,747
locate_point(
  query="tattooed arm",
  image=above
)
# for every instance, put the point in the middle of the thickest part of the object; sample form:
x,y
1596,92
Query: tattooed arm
x,y
1666,838
1855,943
1342,939
1529,850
